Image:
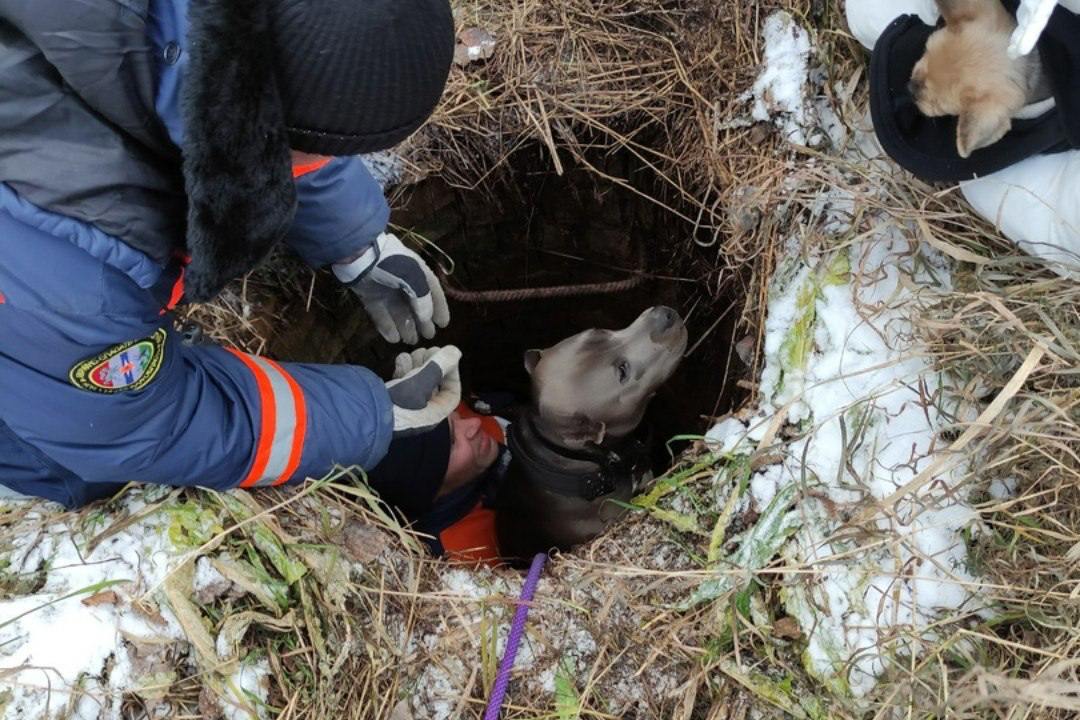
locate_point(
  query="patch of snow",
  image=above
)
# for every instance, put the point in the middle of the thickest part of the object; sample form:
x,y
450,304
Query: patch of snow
x,y
830,122
780,92
439,685
54,646
1003,488
464,583
438,689
208,584
663,683
844,369
860,392
7,495
247,690
386,166
837,208
764,484
547,680
790,92
726,436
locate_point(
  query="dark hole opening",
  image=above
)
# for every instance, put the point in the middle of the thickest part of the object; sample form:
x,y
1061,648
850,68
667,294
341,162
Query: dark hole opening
x,y
539,229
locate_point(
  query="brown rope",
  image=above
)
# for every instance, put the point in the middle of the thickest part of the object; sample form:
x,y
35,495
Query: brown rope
x,y
540,293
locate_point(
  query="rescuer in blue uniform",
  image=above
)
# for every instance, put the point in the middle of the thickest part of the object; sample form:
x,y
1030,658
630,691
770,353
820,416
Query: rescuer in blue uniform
x,y
150,152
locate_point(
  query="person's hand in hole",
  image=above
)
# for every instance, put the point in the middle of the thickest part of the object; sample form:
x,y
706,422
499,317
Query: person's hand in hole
x,y
425,389
398,290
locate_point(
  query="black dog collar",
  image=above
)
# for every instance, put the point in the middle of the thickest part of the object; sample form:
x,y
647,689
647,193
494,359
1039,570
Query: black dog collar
x,y
622,462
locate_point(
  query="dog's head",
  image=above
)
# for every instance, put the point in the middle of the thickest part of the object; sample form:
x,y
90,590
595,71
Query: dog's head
x,y
596,384
966,71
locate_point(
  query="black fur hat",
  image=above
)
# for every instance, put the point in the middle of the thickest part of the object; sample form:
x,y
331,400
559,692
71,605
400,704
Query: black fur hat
x,y
332,77
362,75
411,473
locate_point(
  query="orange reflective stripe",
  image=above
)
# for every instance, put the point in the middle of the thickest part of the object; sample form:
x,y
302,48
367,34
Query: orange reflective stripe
x,y
301,170
268,420
296,450
177,293
282,424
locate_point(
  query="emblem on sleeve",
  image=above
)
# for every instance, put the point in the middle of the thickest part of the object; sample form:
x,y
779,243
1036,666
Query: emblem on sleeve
x,y
126,367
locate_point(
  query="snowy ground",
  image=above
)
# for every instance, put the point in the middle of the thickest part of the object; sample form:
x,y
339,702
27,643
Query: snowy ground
x,y
83,627
852,410
844,374
847,380
96,622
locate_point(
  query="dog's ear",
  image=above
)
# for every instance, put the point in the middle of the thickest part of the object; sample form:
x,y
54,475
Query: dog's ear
x,y
583,430
981,123
958,11
532,359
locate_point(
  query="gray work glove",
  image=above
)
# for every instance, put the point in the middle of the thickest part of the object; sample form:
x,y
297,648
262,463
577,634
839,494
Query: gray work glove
x,y
426,388
398,290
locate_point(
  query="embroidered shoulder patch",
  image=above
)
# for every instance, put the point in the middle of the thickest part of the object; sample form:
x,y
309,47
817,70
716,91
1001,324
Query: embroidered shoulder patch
x,y
125,367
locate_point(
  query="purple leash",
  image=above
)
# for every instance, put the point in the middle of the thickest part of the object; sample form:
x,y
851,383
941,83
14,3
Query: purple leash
x,y
513,642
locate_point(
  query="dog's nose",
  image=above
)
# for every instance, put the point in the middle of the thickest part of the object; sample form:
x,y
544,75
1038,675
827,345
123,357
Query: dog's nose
x,y
914,87
665,316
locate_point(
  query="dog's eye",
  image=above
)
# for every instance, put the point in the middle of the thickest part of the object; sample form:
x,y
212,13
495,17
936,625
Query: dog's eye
x,y
623,370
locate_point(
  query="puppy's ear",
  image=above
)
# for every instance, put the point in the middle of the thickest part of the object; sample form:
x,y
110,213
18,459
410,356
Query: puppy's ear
x,y
958,11
981,123
583,430
532,359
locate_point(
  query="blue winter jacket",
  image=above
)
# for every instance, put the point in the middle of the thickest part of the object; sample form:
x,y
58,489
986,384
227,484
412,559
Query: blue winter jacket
x,y
96,388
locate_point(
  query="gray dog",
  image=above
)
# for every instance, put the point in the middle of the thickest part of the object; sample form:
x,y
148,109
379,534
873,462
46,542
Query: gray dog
x,y
574,448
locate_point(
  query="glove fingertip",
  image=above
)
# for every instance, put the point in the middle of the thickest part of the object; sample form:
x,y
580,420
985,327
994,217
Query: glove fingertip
x,y
389,333
448,357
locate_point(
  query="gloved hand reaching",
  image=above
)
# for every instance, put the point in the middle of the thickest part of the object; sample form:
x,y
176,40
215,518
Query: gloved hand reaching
x,y
425,390
398,290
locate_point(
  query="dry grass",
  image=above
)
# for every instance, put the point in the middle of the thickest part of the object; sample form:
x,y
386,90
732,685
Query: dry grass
x,y
660,80
655,80
1022,662
248,313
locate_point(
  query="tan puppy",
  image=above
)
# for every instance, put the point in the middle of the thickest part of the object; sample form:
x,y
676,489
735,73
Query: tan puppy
x,y
966,71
